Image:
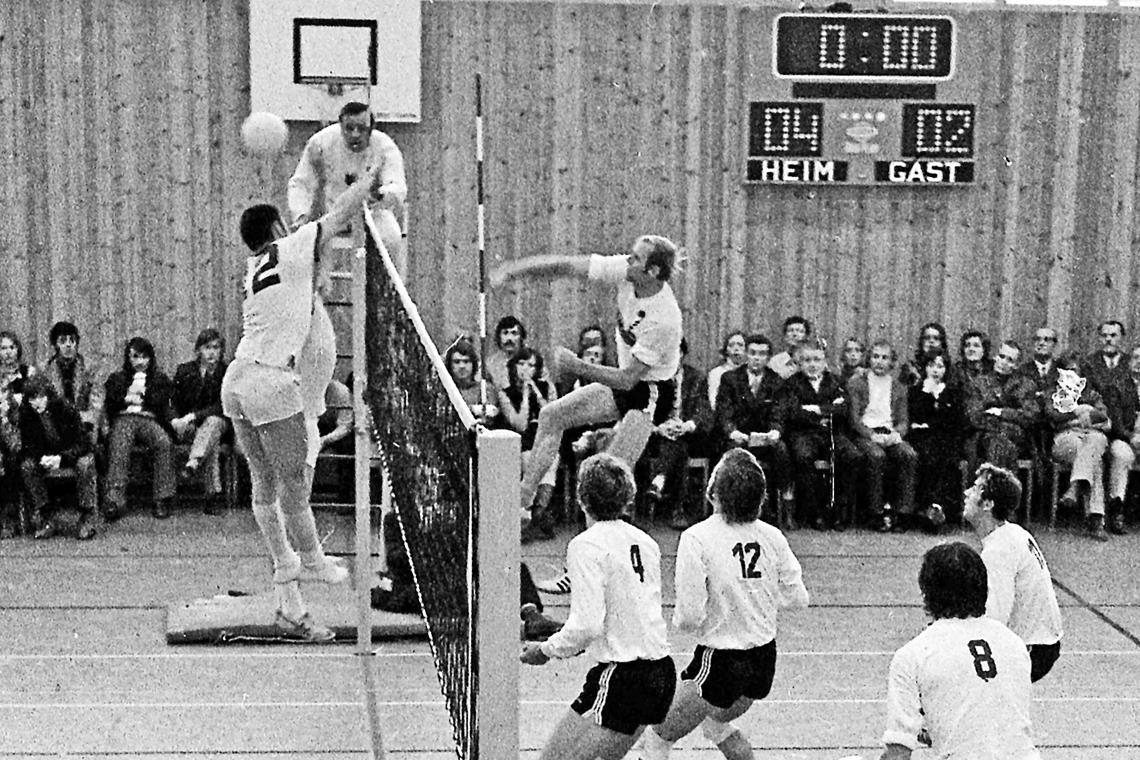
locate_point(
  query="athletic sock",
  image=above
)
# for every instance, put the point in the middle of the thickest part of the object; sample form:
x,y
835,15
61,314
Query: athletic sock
x,y
268,519
654,747
289,599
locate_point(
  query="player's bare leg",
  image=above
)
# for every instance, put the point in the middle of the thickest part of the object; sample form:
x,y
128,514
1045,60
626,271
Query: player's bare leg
x,y
578,737
688,711
588,405
631,435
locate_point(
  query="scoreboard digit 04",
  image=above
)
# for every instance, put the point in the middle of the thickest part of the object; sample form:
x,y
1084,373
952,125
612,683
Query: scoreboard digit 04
x,y
860,98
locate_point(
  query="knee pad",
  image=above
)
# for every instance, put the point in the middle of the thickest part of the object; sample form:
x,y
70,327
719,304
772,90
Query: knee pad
x,y
715,731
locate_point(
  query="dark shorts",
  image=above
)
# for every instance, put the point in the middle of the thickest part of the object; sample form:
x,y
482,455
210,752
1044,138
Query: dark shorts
x,y
653,396
624,696
726,675
1041,659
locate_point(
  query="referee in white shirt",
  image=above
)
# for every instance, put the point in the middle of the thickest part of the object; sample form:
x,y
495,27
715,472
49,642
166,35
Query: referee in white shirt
x,y
615,616
734,572
1020,588
965,677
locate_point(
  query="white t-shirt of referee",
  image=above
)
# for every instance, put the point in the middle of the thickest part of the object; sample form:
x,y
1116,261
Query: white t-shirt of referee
x,y
278,305
731,580
615,598
1021,591
967,681
654,321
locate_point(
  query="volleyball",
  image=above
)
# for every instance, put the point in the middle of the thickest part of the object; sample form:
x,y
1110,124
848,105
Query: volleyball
x,y
264,133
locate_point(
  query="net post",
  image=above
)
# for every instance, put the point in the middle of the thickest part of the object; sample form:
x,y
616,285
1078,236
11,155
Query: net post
x,y
496,616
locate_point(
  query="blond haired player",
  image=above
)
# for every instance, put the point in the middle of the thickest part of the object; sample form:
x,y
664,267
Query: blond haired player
x,y
966,676
615,617
734,572
262,394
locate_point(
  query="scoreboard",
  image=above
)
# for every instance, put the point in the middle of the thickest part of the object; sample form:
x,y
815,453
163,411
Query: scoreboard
x,y
860,98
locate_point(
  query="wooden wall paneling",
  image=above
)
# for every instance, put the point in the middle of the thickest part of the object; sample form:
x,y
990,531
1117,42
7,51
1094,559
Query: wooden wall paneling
x,y
1130,79
846,312
13,192
185,311
1016,161
204,256
1062,251
692,177
28,275
880,256
734,234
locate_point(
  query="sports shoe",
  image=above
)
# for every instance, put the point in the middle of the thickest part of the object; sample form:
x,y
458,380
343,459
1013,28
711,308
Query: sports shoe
x,y
302,630
47,530
536,626
331,570
936,515
556,586
1096,528
86,530
1116,525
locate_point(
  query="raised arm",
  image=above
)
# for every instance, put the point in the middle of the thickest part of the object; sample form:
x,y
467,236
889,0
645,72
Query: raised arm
x,y
541,264
348,206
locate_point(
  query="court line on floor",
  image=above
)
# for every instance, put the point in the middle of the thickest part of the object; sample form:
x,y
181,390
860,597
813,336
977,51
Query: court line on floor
x,y
1099,613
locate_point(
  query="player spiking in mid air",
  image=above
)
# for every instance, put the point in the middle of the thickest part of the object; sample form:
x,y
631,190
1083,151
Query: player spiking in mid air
x,y
262,393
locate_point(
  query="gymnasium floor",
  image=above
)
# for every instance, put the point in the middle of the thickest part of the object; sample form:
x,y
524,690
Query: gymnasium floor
x,y
85,672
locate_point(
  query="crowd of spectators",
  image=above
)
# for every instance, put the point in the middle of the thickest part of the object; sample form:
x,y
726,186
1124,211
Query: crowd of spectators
x,y
855,437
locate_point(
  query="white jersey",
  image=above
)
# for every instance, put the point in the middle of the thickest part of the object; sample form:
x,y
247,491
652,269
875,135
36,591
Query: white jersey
x,y
967,681
731,580
654,321
328,165
1020,588
615,598
278,306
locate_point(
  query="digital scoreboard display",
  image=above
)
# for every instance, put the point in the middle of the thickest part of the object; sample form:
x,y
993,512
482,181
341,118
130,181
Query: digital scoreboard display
x,y
860,98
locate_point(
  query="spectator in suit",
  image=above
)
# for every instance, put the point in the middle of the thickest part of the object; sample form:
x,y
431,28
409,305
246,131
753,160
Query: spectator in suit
x,y
936,412
198,419
1107,372
796,331
1002,406
732,351
877,404
749,413
931,336
687,433
1080,421
9,465
74,379
853,361
53,438
814,416
137,402
13,371
974,352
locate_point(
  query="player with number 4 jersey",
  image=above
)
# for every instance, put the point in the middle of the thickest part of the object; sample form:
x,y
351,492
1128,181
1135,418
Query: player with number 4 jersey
x,y
734,572
965,677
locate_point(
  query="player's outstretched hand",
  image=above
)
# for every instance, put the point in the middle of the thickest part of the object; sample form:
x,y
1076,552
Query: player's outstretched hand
x,y
499,276
532,655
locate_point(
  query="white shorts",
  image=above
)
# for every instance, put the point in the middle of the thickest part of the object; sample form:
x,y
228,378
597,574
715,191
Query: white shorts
x,y
260,393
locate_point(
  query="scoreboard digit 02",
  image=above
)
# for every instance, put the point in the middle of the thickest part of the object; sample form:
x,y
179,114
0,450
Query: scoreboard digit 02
x,y
860,98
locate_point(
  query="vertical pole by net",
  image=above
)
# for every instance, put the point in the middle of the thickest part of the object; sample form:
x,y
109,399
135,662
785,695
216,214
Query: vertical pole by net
x,y
496,621
363,451
481,240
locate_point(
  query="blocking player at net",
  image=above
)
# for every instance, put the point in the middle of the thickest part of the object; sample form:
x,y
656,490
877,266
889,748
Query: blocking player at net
x,y
734,572
639,391
615,616
1021,592
262,395
966,676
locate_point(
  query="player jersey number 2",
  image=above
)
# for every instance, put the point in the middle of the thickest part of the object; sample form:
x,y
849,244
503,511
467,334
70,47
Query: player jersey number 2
x,y
267,273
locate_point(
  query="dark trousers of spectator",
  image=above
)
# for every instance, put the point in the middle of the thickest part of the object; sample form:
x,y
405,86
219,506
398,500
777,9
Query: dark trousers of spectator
x,y
204,440
939,474
777,463
904,463
86,487
126,430
9,494
664,457
806,448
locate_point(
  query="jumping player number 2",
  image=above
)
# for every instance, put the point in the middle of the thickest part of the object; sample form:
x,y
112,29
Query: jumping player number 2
x,y
984,664
635,561
266,273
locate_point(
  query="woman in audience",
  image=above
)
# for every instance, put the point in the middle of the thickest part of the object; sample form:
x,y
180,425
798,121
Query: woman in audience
x,y
853,360
932,335
974,349
13,372
521,403
734,356
138,412
936,416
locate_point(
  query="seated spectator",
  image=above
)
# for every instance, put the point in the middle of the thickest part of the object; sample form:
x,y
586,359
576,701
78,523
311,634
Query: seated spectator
x,y
853,361
1080,423
974,351
13,371
732,351
931,336
687,433
462,362
796,331
198,419
74,379
936,411
1107,372
137,403
333,435
9,465
814,416
53,438
749,414
521,404
877,403
1002,406
593,336
510,337
1041,371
